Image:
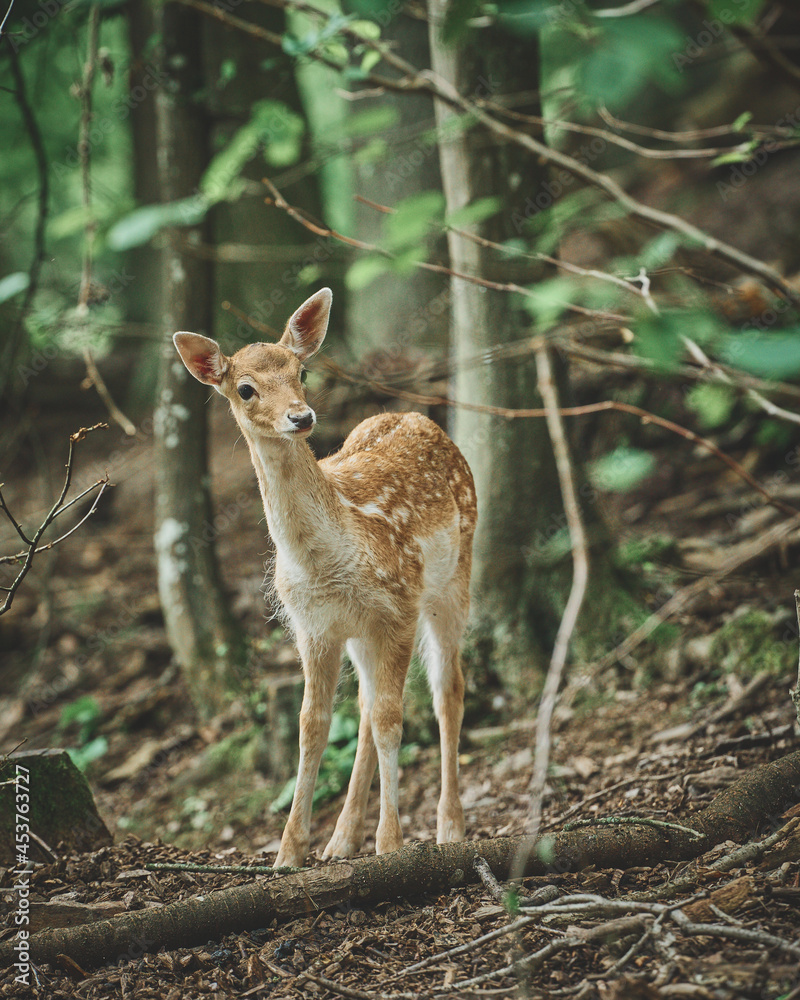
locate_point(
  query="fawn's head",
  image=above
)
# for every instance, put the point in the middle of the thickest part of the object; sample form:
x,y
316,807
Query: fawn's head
x,y
263,382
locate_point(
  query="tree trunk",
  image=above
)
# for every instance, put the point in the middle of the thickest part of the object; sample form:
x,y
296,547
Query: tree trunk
x,y
520,582
201,631
396,313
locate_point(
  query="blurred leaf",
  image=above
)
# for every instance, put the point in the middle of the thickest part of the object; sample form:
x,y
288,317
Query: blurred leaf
x,y
735,11
370,61
658,338
371,120
775,355
343,727
659,251
382,11
86,713
456,19
477,211
627,53
367,29
364,271
736,155
621,470
13,284
713,404
227,72
744,119
412,220
83,756
143,223
550,300
527,17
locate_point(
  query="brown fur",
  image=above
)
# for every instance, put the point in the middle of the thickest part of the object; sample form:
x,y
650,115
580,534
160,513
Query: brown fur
x,y
373,546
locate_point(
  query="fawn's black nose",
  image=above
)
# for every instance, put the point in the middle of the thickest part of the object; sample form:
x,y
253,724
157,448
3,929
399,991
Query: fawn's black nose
x,y
302,421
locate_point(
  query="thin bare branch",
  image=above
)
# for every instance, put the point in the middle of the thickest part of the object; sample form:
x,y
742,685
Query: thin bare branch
x,y
58,507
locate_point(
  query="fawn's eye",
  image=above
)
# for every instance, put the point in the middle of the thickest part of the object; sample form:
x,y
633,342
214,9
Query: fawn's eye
x,y
245,390
303,375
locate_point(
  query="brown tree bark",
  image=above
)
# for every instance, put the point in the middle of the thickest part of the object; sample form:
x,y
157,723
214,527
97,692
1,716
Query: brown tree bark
x,y
201,630
416,870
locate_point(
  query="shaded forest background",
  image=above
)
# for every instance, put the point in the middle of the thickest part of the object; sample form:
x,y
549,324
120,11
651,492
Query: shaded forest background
x,y
487,189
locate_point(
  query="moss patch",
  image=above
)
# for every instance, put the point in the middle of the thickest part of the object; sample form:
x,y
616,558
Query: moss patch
x,y
750,643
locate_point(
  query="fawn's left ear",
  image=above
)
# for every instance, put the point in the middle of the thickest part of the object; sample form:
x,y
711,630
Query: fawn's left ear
x,y
306,330
202,357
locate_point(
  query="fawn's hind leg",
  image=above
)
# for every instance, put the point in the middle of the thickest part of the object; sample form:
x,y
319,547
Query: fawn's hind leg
x,y
442,629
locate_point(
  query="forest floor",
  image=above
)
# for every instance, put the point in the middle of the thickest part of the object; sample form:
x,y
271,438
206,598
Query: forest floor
x,y
658,736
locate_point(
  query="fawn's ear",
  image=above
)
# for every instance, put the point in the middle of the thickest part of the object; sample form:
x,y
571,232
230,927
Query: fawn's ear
x,y
306,330
202,357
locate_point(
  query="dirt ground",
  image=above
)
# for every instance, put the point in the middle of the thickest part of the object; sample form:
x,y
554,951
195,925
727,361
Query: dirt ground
x,y
657,736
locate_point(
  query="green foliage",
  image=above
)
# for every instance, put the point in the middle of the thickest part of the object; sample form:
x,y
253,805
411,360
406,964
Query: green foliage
x,y
647,551
86,714
336,767
659,337
624,55
771,356
622,469
735,11
713,403
12,285
751,643
142,224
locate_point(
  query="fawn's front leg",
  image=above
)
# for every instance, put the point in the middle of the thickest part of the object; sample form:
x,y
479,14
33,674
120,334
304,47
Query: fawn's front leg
x,y
387,733
321,664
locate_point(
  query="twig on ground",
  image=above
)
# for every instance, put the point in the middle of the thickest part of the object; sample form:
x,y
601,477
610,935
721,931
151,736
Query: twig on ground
x,y
607,791
498,893
58,507
462,949
154,866
632,821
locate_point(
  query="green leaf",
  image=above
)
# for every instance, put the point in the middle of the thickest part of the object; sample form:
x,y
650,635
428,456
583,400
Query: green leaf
x,y
364,271
370,61
744,119
550,300
382,11
367,29
143,223
412,219
658,338
477,211
371,120
736,155
546,849
735,11
13,284
772,356
83,756
527,17
627,53
713,404
621,470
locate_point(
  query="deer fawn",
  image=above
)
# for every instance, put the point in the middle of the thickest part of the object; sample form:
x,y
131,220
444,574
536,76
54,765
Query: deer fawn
x,y
373,544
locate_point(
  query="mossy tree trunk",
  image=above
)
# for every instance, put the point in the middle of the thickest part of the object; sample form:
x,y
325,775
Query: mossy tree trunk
x,y
519,586
203,635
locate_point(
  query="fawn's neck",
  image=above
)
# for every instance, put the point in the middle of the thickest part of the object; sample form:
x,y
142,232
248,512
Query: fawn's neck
x,y
304,515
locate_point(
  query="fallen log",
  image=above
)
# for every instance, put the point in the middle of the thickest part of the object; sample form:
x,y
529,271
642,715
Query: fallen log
x,y
417,870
